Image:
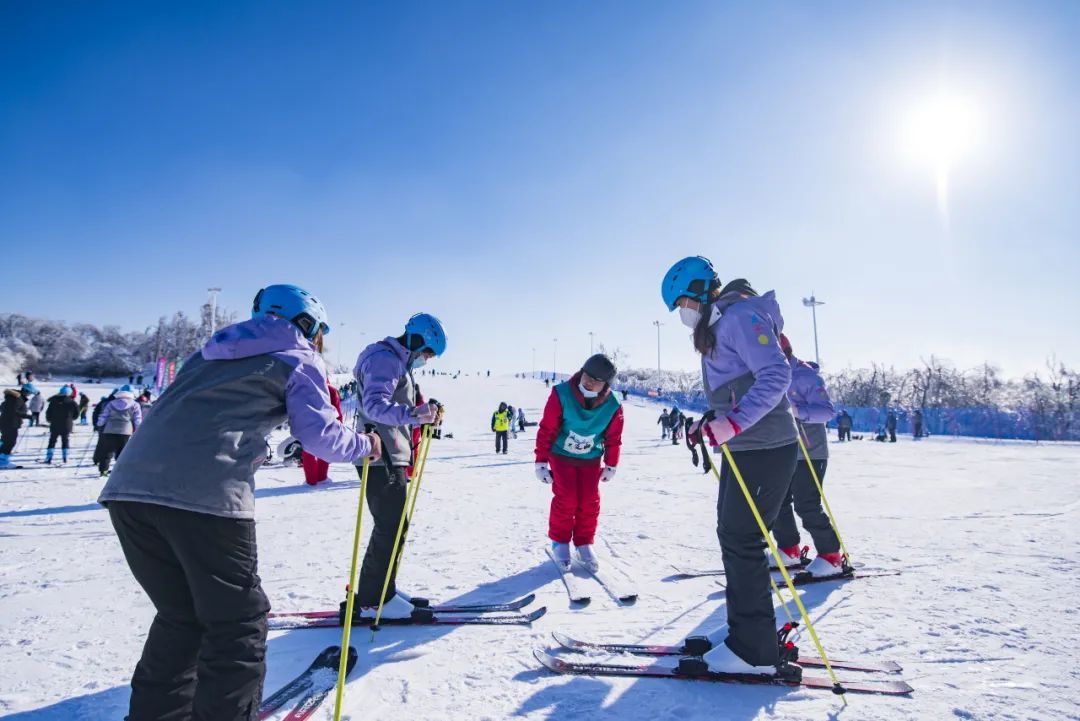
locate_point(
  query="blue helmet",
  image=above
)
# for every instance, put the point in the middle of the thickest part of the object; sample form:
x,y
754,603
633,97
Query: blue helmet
x,y
28,389
430,331
125,389
693,277
294,304
65,391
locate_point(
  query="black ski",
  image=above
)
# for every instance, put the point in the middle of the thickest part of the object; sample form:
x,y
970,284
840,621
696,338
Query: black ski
x,y
698,645
316,681
693,669
421,617
515,605
802,578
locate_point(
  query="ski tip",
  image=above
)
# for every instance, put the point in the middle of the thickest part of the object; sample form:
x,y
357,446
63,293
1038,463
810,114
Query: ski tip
x,y
526,600
563,640
538,613
630,598
891,667
549,661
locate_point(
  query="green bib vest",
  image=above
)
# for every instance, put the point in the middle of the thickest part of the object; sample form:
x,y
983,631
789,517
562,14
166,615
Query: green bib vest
x,y
581,433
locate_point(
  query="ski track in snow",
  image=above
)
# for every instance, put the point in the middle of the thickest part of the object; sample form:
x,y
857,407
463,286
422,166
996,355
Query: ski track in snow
x,y
979,619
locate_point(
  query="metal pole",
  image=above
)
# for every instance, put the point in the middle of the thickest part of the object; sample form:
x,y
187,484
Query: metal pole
x,y
213,308
657,324
534,362
591,342
812,303
554,356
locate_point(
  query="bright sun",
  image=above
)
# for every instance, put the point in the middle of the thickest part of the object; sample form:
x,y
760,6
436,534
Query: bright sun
x,y
939,132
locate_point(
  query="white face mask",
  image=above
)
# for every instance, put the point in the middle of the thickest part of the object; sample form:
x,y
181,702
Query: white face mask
x,y
586,392
419,361
689,317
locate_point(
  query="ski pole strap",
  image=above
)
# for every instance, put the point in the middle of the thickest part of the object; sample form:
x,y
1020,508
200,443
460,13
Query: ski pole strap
x,y
837,688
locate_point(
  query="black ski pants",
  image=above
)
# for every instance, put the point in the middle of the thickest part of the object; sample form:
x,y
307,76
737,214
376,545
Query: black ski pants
x,y
803,498
843,434
63,435
750,615
8,439
205,656
500,441
386,490
110,444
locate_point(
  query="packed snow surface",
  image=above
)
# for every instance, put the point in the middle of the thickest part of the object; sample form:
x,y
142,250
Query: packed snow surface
x,y
982,617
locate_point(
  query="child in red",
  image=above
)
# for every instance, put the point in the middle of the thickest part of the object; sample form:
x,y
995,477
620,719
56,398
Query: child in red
x,y
582,424
317,470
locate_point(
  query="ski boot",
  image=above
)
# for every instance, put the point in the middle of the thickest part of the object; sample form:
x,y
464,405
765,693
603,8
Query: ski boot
x,y
587,558
792,556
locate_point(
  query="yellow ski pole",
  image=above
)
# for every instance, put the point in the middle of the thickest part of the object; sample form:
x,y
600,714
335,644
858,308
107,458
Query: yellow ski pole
x,y
821,492
421,455
837,688
350,596
410,499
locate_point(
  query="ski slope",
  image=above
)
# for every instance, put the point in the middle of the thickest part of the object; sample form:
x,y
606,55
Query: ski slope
x,y
980,618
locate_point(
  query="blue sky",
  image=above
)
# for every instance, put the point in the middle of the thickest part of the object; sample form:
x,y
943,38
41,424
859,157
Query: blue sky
x,y
528,171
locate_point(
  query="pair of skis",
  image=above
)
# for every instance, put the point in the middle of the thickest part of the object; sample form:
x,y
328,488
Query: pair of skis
x,y
310,688
799,577
690,666
479,614
615,583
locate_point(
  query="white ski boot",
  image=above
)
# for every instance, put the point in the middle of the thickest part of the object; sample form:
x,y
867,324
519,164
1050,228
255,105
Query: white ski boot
x,y
587,558
561,552
723,660
396,608
792,557
826,565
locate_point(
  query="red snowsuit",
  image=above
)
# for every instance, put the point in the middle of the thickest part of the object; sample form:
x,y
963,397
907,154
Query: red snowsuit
x,y
316,469
575,503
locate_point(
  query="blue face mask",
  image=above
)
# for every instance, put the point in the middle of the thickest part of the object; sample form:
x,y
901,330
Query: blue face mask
x,y
418,362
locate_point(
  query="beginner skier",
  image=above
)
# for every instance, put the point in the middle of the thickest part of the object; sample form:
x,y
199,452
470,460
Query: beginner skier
x,y
582,424
35,406
61,416
121,417
811,406
664,420
745,376
388,406
500,426
12,413
182,501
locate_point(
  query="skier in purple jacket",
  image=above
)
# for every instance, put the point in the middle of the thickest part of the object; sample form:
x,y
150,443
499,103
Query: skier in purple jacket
x,y
182,501
812,407
746,378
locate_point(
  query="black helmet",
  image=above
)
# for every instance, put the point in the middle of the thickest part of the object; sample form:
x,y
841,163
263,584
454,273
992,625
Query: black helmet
x,y
600,367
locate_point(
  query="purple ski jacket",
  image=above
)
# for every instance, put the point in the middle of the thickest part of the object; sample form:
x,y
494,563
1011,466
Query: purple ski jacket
x,y
200,448
746,377
388,396
811,405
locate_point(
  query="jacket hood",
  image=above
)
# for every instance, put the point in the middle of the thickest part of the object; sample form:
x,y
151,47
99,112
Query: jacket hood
x,y
257,336
387,343
12,393
765,303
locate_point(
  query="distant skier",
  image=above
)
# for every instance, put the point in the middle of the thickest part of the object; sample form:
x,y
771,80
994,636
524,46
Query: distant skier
x,y
500,426
521,419
745,377
843,426
675,425
582,425
513,420
890,426
812,408
61,417
84,408
917,425
182,501
664,421
12,413
35,406
388,405
121,418
144,402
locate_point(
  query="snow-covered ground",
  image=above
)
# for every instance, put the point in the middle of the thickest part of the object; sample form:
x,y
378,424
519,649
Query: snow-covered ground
x,y
981,617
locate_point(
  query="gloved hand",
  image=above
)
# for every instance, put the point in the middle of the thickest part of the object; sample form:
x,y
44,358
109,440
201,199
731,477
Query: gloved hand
x,y
607,474
718,430
543,473
425,414
376,446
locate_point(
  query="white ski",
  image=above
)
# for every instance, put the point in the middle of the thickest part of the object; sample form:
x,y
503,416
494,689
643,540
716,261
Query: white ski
x,y
574,586
614,582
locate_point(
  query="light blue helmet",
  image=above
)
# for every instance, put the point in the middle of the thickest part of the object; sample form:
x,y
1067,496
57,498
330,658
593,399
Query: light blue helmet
x,y
125,389
65,390
430,331
693,277
294,304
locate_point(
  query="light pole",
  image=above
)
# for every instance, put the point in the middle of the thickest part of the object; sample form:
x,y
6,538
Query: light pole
x,y
812,303
591,334
534,362
554,356
657,324
338,368
213,308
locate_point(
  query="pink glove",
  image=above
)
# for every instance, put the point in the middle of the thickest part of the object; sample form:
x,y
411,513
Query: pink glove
x,y
425,414
718,430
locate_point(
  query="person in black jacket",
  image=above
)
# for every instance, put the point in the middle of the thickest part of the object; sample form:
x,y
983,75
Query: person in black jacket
x,y
890,426
61,415
12,413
